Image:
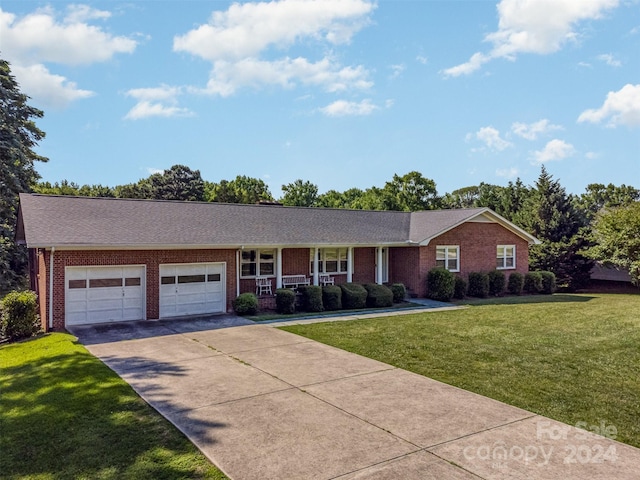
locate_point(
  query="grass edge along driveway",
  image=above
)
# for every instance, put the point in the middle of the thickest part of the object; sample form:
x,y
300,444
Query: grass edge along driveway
x,y
573,358
64,414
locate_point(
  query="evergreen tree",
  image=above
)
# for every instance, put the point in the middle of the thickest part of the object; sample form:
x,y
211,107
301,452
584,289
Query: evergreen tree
x,y
550,215
18,137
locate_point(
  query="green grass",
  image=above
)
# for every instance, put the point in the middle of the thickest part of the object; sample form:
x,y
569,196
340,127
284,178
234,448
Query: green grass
x,y
65,415
573,358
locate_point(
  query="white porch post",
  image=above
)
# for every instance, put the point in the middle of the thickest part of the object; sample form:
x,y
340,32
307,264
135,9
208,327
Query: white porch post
x,y
316,276
349,264
379,266
278,267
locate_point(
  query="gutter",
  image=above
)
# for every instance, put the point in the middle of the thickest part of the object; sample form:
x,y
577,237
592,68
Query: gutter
x,y
53,249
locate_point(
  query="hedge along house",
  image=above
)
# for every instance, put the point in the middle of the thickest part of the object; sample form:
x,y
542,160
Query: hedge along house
x,y
95,260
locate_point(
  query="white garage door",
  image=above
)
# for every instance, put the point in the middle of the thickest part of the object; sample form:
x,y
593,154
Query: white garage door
x,y
192,289
104,294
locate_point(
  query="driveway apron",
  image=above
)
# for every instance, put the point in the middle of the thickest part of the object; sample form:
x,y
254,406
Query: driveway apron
x,y
262,403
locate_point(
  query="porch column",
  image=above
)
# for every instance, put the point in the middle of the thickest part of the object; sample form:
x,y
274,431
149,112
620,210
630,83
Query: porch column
x,y
349,264
379,265
316,277
278,267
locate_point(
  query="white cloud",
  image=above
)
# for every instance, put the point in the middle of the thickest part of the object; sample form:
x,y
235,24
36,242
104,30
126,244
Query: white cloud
x,y
591,155
163,92
40,37
246,30
159,101
533,26
491,138
147,109
396,70
82,13
553,150
507,172
44,36
609,60
621,108
422,59
531,131
51,90
240,43
152,170
228,77
342,108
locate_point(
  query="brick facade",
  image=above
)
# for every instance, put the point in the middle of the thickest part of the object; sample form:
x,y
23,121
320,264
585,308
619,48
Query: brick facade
x,y
478,242
408,265
151,259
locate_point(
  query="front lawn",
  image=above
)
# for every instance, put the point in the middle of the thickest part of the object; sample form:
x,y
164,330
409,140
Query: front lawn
x,y
573,358
64,414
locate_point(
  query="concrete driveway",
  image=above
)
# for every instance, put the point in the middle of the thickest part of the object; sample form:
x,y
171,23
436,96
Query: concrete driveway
x,y
262,403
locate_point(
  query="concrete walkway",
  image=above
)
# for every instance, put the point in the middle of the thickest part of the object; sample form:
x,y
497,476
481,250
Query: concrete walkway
x,y
262,403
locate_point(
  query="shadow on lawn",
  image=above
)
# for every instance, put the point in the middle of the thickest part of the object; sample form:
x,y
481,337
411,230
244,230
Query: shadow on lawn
x,y
527,299
70,416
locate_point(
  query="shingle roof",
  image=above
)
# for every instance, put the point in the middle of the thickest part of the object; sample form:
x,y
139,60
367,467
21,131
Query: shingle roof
x,y
64,221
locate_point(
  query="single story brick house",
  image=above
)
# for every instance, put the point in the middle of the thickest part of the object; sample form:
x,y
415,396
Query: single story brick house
x,y
98,260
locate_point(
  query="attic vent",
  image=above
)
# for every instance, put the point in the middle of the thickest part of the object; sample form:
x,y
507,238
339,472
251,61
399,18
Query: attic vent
x,y
269,202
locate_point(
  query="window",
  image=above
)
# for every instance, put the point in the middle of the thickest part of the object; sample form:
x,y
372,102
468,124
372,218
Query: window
x,y
448,256
330,260
506,257
256,263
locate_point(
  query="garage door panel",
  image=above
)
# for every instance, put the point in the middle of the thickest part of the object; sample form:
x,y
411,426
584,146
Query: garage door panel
x,y
191,289
104,294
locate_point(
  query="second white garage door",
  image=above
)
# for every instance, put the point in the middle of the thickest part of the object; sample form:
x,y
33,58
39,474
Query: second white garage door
x,y
192,289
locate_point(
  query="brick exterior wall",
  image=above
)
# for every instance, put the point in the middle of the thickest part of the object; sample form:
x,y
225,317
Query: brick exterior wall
x,y
402,268
478,242
152,259
408,265
364,265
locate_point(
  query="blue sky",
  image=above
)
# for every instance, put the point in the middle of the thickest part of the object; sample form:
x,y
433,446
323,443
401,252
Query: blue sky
x,y
343,93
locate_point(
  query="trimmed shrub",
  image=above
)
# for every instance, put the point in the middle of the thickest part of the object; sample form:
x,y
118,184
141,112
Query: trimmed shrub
x,y
497,283
285,301
332,297
533,282
516,283
378,295
548,282
478,284
245,304
311,298
440,284
353,296
459,288
399,292
19,315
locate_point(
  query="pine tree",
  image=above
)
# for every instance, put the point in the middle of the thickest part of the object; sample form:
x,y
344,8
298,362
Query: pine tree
x,y
551,216
18,136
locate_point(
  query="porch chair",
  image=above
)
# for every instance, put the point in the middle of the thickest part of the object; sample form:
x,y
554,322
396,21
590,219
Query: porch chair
x,y
326,279
263,286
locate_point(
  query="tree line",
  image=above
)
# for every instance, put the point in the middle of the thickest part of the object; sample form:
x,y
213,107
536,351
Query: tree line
x,y
602,223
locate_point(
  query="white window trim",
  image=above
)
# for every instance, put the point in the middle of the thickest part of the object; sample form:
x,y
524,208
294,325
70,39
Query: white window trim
x,y
322,260
505,257
257,262
447,248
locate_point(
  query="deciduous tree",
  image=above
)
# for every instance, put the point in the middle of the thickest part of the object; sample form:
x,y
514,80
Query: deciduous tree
x,y
616,232
300,194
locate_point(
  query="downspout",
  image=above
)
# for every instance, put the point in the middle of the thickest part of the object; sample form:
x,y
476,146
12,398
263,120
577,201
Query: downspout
x,y
237,273
53,249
